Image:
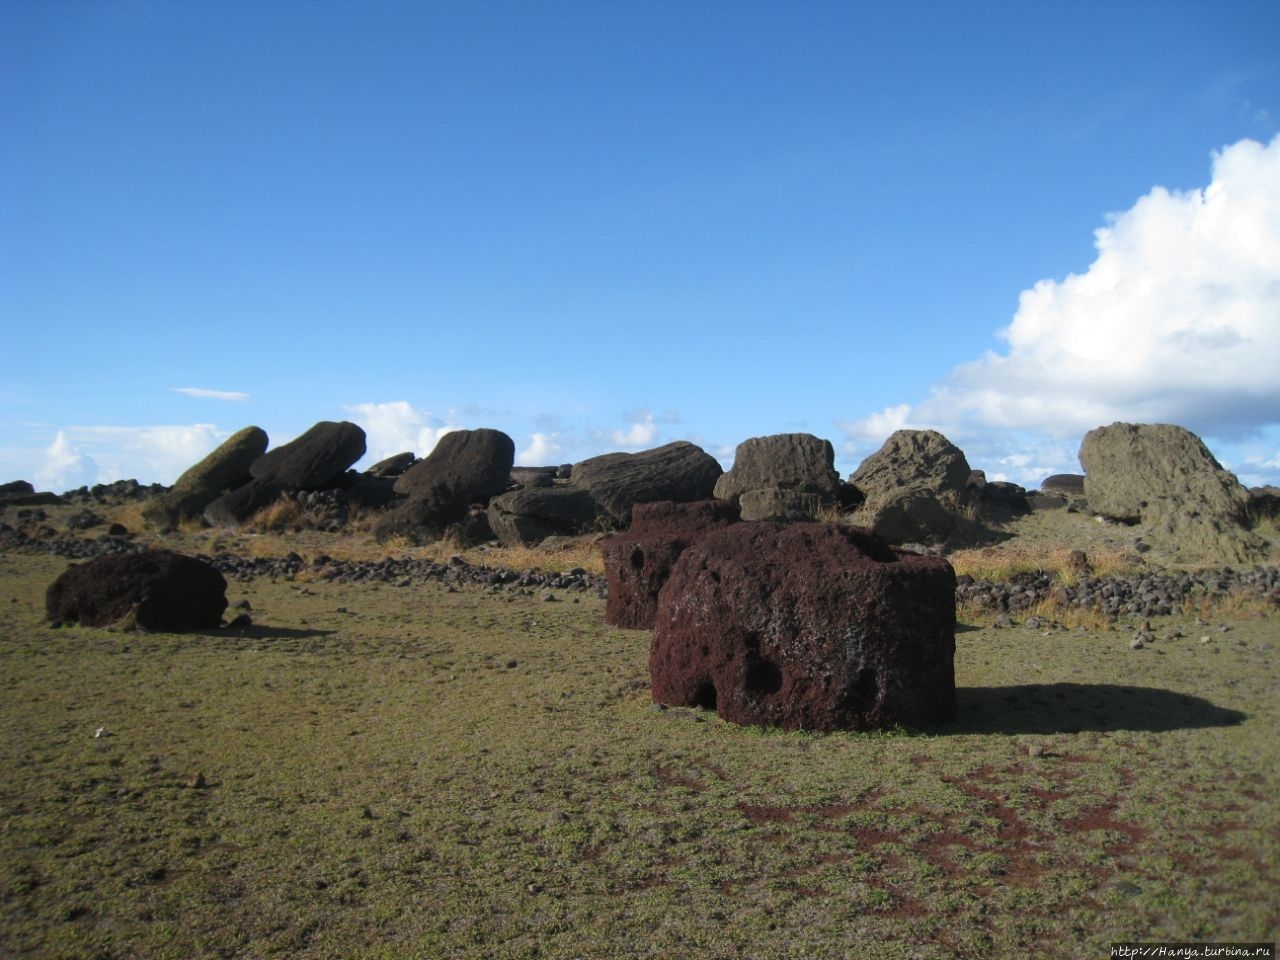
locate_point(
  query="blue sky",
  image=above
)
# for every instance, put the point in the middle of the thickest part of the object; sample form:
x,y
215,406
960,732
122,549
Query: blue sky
x,y
605,226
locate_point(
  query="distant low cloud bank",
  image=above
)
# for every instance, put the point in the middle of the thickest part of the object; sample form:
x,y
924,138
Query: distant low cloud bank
x,y
1177,320
83,456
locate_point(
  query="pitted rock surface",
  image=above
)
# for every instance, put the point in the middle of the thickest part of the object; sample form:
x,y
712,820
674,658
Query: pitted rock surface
x,y
807,625
914,485
465,467
638,563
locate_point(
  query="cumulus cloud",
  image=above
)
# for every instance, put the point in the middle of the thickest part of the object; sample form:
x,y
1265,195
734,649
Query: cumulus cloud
x,y
396,427
81,455
642,432
1176,320
545,449
65,467
211,394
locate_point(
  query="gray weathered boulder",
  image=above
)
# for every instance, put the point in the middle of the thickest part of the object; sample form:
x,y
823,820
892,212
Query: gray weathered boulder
x,y
224,469
535,513
813,626
1066,484
314,459
679,472
1163,476
915,487
784,476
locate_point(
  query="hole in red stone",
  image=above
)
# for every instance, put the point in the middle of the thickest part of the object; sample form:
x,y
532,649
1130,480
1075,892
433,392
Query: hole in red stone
x,y
865,690
763,677
705,695
637,558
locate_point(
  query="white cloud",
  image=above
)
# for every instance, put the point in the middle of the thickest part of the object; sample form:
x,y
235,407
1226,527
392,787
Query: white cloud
x,y
1177,320
82,455
875,427
545,449
64,467
396,427
642,434
211,394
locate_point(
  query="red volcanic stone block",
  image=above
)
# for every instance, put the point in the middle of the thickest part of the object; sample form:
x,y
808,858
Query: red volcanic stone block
x,y
638,562
808,626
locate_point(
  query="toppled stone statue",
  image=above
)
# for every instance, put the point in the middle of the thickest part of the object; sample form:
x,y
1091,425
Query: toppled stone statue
x,y
1164,476
915,486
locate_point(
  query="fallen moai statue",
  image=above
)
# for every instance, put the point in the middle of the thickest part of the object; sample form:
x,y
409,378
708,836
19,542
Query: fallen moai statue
x,y
1164,476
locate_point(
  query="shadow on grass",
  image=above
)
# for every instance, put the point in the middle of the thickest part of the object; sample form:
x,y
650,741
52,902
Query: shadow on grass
x,y
268,633
1046,708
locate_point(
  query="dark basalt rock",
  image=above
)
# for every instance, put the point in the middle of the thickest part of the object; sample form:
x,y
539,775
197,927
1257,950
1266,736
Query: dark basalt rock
x,y
466,469
679,472
20,493
158,589
224,469
535,513
807,625
393,466
314,459
236,506
638,562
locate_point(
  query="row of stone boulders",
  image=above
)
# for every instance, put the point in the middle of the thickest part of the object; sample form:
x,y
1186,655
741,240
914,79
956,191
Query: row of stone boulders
x,y
1152,593
917,489
469,486
242,476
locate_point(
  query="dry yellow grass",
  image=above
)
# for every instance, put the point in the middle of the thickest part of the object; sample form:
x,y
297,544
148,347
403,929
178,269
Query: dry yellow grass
x,y
1003,562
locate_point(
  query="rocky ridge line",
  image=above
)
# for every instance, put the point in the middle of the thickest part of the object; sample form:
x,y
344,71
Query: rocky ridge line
x,y
1146,594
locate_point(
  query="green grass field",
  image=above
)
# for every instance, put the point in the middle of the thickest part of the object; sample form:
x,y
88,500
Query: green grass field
x,y
411,772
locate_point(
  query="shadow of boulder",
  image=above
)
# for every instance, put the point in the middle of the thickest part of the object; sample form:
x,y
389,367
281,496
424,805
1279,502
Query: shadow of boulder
x,y
1047,708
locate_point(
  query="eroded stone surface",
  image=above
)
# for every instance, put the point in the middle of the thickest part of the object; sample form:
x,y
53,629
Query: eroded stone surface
x,y
806,626
638,562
